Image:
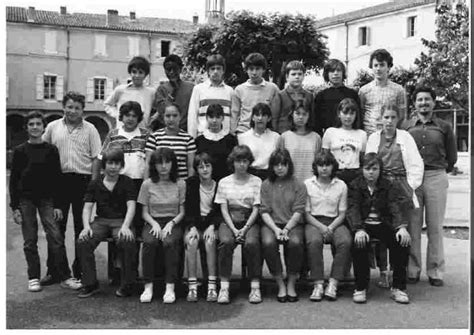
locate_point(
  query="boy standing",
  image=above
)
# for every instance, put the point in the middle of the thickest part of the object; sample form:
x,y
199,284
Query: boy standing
x,y
138,69
35,176
292,97
254,90
212,91
115,197
381,91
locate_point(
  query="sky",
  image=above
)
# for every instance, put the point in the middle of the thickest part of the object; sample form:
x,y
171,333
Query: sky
x,y
185,9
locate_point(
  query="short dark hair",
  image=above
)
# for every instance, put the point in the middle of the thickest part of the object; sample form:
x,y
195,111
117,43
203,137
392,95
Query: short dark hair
x,y
163,154
139,62
255,59
370,159
172,104
390,107
214,110
213,60
381,55
294,65
325,157
131,106
239,152
280,155
291,121
344,105
260,108
76,97
200,158
332,65
35,115
113,155
175,59
423,89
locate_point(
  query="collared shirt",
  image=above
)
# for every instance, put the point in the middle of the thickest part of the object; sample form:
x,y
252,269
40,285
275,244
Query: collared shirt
x,y
289,98
111,204
203,95
262,146
435,141
373,97
247,95
237,193
77,147
326,200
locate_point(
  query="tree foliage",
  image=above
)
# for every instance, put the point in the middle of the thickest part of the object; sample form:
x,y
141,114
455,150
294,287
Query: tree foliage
x,y
279,37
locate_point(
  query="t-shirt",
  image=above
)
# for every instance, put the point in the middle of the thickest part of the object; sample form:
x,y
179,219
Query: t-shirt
x,y
163,198
261,145
182,144
237,193
345,145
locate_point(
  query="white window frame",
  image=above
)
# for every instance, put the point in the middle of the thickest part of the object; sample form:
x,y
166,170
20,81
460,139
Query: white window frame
x,y
100,87
50,42
411,26
100,47
49,87
361,36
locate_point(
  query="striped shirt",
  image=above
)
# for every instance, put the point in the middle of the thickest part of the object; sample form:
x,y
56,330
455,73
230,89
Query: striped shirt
x,y
133,146
326,200
237,193
77,148
163,198
182,144
203,95
373,97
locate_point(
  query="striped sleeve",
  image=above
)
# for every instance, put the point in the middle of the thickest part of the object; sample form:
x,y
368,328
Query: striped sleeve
x,y
151,143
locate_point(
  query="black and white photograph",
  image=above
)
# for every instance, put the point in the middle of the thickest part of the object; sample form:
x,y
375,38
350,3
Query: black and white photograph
x,y
238,165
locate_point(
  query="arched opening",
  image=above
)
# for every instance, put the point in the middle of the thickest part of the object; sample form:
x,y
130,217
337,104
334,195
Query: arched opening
x,y
100,124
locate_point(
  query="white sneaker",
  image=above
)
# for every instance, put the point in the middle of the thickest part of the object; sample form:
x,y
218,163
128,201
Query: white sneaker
x,y
399,296
34,285
223,297
146,296
360,297
255,296
331,291
71,283
169,297
318,292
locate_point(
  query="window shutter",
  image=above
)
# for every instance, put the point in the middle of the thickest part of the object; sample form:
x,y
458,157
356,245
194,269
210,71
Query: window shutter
x,y
90,90
59,88
109,87
39,87
368,35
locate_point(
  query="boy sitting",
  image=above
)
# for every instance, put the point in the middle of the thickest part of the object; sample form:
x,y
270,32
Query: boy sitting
x,y
374,213
115,197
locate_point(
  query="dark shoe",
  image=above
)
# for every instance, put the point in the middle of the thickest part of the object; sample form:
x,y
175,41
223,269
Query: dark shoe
x,y
49,280
291,298
87,291
282,299
124,291
436,282
413,280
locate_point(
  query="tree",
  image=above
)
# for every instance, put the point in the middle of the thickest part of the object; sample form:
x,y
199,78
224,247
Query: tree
x,y
445,66
279,37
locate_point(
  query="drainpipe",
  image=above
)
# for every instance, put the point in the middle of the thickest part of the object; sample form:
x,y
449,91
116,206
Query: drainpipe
x,y
68,65
150,55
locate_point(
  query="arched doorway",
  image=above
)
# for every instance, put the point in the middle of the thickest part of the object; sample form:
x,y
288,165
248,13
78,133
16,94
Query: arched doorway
x,y
100,124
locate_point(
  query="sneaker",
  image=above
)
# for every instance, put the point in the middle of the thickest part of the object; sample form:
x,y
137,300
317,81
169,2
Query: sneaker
x,y
48,280
399,296
34,285
169,297
211,295
331,291
89,290
192,295
124,291
223,297
255,296
360,297
318,292
146,296
384,280
71,283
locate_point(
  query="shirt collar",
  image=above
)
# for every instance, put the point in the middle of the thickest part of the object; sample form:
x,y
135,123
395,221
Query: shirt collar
x,y
259,135
213,136
133,133
314,180
80,125
263,83
209,83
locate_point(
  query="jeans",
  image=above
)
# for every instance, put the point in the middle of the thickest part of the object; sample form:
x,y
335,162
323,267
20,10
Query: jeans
x,y
101,229
29,229
294,249
169,250
73,188
398,257
341,242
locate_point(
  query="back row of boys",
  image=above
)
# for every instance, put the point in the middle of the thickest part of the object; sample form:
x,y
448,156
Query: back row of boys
x,y
237,104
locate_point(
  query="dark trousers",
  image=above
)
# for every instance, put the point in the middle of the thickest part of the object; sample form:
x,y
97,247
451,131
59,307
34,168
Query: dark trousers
x,y
29,229
294,249
73,187
398,257
168,250
101,229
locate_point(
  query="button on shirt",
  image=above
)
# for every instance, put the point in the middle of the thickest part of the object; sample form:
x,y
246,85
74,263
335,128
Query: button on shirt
x,y
326,200
435,141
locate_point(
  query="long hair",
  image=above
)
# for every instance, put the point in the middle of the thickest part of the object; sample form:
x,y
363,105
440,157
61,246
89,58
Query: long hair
x,y
161,155
345,105
240,152
325,157
280,156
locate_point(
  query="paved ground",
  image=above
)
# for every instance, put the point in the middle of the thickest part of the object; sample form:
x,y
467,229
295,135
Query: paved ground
x,y
430,307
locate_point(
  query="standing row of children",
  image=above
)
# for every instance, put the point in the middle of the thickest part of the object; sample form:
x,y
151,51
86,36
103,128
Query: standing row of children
x,y
206,186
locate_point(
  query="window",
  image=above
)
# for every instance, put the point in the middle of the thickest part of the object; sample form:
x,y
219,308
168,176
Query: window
x,y
411,26
133,46
165,48
100,45
50,42
49,87
99,88
363,36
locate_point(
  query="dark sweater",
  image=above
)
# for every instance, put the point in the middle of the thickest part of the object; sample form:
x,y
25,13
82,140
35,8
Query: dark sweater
x,y
35,173
193,208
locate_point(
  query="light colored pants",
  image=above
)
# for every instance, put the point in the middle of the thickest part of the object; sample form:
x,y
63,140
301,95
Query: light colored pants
x,y
432,196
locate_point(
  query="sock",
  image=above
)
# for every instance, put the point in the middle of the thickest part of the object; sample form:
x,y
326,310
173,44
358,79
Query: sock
x,y
318,282
192,283
224,285
211,283
334,281
169,287
254,284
